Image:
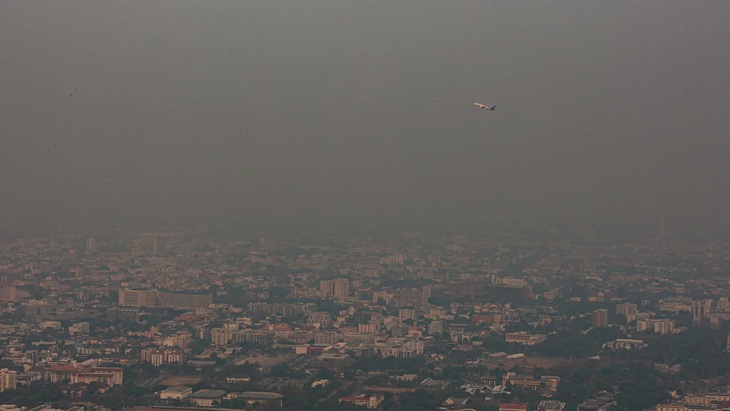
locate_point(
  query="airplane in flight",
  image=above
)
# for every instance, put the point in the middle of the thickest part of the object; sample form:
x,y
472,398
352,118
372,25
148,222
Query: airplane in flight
x,y
484,106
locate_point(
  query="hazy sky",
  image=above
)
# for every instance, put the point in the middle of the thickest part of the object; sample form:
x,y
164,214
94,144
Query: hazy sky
x,y
290,109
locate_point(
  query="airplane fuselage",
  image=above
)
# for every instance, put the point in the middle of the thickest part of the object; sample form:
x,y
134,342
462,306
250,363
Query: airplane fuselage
x,y
486,107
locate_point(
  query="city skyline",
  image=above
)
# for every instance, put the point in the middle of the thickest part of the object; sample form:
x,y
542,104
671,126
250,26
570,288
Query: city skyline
x,y
298,205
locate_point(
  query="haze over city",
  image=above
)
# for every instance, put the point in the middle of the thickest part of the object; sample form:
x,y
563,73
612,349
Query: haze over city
x,y
362,112
238,205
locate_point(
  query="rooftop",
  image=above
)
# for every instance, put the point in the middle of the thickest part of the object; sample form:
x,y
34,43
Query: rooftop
x,y
209,394
513,406
179,389
257,395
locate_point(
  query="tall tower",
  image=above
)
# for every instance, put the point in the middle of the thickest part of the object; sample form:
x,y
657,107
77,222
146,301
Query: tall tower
x,y
325,288
339,288
148,241
8,292
700,309
660,228
8,380
90,245
599,318
425,294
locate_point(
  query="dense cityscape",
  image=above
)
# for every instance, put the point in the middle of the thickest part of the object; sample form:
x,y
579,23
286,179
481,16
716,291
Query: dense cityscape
x,y
184,320
342,205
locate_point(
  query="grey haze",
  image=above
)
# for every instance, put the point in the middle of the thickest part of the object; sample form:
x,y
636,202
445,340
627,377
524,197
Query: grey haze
x,y
289,110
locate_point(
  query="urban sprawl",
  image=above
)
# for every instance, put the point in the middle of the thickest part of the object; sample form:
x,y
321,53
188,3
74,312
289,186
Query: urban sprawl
x,y
183,321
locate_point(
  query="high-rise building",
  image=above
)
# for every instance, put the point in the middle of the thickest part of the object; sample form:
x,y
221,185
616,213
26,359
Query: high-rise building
x,y
123,314
339,288
436,328
599,318
382,297
626,309
325,288
660,326
664,326
183,300
700,309
220,336
723,304
407,313
160,356
137,298
425,294
90,245
148,242
8,292
8,380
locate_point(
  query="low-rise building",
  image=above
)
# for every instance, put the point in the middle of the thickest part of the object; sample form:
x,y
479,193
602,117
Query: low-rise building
x,y
624,344
369,401
526,383
207,398
525,338
550,405
595,405
179,393
252,397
